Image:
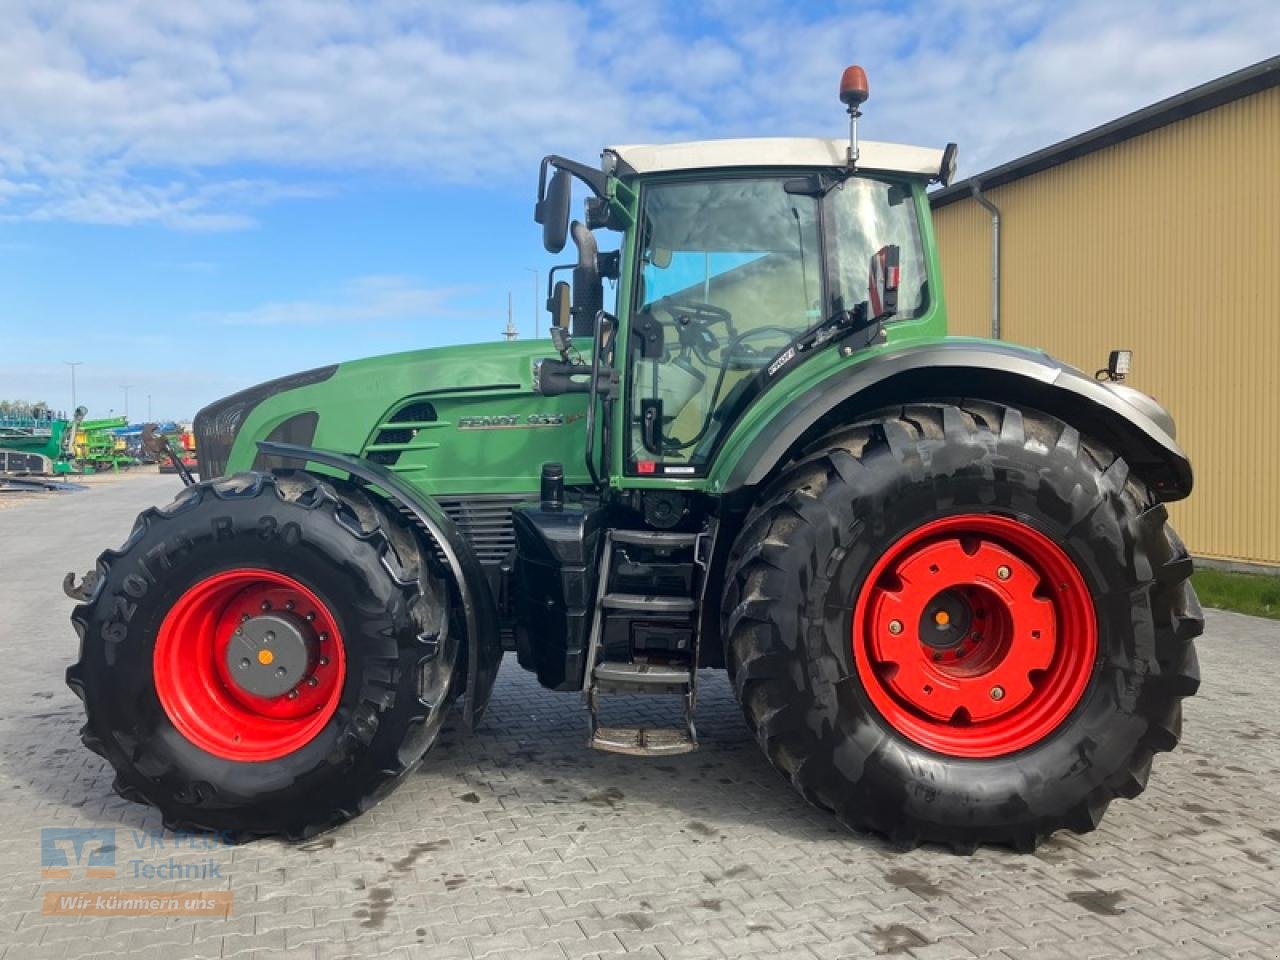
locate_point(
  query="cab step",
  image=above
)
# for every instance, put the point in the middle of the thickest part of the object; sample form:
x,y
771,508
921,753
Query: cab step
x,y
644,741
642,603
656,538
642,677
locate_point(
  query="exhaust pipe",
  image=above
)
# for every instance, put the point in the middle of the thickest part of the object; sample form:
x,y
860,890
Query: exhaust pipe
x,y
588,290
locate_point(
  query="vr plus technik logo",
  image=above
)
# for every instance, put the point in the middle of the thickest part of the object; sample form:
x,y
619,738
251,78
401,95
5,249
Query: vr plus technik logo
x,y
90,853
79,852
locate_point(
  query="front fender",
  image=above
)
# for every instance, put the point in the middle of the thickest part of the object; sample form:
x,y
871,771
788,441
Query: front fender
x,y
484,644
976,369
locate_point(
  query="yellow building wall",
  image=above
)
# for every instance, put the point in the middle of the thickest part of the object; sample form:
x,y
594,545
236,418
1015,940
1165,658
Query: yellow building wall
x,y
1167,244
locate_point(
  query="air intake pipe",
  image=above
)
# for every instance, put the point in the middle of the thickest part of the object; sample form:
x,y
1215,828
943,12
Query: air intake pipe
x,y
588,289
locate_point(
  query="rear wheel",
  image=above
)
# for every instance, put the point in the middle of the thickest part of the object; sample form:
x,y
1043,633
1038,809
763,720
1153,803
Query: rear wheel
x,y
962,624
268,655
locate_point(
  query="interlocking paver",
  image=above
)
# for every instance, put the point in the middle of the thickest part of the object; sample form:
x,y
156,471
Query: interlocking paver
x,y
541,848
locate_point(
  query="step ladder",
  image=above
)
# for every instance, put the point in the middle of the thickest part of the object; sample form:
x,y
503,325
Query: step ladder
x,y
673,676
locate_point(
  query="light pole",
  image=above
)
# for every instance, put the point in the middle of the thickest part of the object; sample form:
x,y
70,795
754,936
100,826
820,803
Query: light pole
x,y
148,408
126,387
511,333
73,364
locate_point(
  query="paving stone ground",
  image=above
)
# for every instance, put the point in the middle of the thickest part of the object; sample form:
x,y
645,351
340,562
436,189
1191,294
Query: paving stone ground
x,y
520,842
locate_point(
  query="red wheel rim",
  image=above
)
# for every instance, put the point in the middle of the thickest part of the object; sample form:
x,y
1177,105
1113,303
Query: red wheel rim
x,y
194,681
975,635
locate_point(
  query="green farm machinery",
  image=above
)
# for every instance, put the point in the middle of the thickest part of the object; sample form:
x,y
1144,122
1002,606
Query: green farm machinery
x,y
99,449
938,571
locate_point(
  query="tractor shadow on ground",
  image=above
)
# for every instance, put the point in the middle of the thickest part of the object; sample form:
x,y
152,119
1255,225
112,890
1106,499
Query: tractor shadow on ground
x,y
531,749
41,753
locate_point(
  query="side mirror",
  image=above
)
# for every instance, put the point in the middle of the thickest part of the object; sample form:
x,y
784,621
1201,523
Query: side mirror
x,y
558,304
882,283
552,211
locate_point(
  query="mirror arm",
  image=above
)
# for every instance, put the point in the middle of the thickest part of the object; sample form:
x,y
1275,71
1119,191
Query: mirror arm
x,y
593,177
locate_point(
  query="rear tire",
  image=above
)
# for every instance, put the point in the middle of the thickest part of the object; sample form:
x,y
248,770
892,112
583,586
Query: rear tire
x,y
385,610
800,578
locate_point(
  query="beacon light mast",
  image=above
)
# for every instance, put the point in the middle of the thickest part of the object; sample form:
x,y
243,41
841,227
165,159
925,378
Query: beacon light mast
x,y
853,94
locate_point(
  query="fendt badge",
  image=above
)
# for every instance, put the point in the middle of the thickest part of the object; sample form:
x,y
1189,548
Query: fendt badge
x,y
511,422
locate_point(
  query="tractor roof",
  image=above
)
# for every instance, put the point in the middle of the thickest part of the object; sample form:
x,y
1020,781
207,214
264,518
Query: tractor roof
x,y
774,152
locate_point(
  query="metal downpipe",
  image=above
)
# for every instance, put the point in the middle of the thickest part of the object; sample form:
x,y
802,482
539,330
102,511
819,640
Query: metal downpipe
x,y
975,189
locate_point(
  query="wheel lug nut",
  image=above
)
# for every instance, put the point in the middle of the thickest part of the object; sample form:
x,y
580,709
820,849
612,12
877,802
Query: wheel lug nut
x,y
311,616
1003,572
266,604
289,605
324,661
312,682
895,627
280,671
268,636
324,637
293,694
244,617
244,663
997,693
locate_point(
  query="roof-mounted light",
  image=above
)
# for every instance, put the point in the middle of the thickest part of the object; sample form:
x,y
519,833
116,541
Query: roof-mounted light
x,y
853,87
853,94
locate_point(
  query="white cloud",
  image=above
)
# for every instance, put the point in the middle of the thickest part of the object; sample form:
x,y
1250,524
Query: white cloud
x,y
137,112
361,301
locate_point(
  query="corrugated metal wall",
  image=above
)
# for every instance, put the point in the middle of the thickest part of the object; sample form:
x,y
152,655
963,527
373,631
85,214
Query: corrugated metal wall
x,y
1167,244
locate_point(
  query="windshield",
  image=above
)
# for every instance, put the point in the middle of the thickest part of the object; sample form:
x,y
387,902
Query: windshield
x,y
731,274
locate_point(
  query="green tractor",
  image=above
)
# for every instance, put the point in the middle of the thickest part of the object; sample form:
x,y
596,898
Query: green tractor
x,y
938,571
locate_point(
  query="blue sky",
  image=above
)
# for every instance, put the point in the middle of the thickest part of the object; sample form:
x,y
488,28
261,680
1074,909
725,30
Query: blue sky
x,y
195,197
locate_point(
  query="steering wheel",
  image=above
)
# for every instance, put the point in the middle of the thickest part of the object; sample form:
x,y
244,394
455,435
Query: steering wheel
x,y
693,320
751,359
696,310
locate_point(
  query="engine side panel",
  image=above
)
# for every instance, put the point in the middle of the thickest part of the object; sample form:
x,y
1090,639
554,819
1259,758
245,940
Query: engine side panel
x,y
451,420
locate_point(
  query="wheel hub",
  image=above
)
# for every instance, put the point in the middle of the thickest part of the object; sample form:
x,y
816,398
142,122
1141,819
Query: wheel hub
x,y
974,635
270,654
944,625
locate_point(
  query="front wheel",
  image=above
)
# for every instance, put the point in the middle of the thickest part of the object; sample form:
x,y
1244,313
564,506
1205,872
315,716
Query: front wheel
x,y
962,624
267,655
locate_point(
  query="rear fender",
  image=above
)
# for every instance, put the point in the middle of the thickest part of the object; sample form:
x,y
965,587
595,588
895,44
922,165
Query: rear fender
x,y
1131,424
484,644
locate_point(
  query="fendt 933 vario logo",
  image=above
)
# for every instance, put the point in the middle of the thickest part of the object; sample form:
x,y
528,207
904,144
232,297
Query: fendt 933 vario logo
x,y
511,421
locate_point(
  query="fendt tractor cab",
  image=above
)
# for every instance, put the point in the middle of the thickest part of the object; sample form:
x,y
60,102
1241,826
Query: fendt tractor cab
x,y
937,570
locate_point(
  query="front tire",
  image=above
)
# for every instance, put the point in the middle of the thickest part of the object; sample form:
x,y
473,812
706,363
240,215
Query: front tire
x,y
962,624
267,655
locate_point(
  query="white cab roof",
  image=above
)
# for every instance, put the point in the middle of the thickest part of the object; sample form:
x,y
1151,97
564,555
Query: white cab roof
x,y
775,152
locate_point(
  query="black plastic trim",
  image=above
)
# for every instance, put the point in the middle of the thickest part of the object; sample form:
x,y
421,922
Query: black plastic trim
x,y
217,426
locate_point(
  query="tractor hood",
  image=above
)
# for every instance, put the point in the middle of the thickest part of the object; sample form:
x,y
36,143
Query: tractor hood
x,y
459,419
